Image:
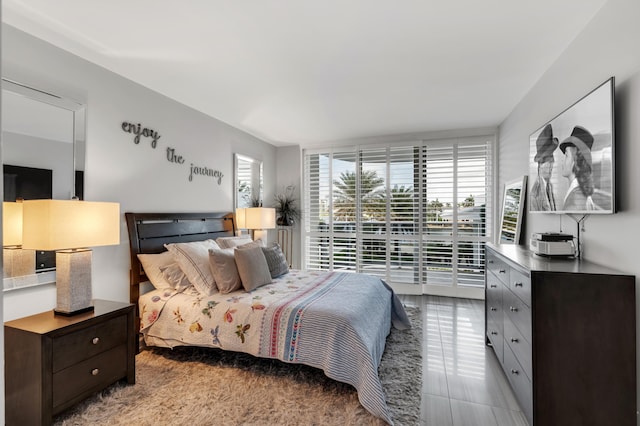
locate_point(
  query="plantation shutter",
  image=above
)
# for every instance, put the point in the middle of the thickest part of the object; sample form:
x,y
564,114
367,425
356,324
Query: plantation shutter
x,y
413,214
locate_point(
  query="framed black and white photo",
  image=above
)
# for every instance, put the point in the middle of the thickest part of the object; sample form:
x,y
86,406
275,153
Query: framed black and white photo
x,y
572,158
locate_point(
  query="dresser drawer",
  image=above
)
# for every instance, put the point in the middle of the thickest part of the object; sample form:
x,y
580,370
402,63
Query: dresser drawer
x,y
71,348
520,383
518,313
520,347
494,334
520,285
89,375
498,267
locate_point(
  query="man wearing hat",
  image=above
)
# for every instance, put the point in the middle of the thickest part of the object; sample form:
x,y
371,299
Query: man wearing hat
x,y
542,198
576,167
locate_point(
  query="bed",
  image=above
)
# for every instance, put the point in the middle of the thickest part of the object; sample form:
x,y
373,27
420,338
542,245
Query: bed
x,y
334,321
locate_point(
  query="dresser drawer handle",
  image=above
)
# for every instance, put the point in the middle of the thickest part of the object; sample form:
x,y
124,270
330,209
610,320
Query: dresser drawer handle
x,y
493,286
513,309
95,340
514,371
493,309
518,284
514,340
502,271
95,372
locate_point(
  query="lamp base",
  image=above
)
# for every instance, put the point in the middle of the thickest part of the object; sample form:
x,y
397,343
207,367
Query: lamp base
x,y
73,281
18,262
72,313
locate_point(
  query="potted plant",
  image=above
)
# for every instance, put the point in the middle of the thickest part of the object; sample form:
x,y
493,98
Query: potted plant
x,y
287,212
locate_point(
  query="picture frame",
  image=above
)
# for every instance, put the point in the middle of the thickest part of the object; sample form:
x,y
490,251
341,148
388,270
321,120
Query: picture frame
x,y
511,214
572,158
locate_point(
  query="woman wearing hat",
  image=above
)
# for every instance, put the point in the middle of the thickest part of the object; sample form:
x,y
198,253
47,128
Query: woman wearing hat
x,y
576,167
542,198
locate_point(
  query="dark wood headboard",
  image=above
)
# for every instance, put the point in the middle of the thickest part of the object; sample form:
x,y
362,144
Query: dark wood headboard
x,y
149,232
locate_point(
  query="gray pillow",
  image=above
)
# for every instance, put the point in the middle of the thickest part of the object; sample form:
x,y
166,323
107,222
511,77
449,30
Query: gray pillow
x,y
252,266
225,272
193,259
276,260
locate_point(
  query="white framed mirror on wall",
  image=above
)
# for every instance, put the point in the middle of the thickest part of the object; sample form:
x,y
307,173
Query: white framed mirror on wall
x,y
247,181
43,150
511,218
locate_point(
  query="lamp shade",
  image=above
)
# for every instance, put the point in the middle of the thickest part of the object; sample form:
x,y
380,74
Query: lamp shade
x,y
69,224
11,223
241,214
260,218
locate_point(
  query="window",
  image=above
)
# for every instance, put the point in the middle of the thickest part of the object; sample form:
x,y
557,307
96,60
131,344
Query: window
x,y
413,214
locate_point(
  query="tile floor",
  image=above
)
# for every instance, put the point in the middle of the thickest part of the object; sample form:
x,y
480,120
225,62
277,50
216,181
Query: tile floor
x,y
462,381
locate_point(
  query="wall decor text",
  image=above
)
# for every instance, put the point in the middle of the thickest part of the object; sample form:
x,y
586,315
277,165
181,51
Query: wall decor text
x,y
195,170
172,155
138,130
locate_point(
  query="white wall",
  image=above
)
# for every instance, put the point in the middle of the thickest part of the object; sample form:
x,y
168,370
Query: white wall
x,y
607,47
289,164
138,177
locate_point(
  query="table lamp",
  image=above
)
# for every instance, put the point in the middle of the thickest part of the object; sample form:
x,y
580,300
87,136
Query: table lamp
x,y
259,219
70,227
241,214
17,260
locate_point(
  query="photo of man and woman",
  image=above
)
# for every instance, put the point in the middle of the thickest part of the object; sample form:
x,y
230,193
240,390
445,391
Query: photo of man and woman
x,y
571,158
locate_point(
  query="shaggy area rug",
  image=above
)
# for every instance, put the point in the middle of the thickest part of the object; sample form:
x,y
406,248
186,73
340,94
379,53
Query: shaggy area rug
x,y
200,386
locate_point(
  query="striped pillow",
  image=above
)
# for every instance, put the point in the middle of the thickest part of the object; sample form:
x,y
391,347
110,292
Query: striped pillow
x,y
276,260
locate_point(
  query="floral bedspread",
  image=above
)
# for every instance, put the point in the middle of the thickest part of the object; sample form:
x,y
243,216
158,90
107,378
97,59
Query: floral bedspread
x,y
330,320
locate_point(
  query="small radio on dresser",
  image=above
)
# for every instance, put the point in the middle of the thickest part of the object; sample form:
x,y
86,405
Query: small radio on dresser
x,y
552,244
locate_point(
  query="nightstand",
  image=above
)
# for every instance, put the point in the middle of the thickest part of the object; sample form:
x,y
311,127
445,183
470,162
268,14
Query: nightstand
x,y
53,362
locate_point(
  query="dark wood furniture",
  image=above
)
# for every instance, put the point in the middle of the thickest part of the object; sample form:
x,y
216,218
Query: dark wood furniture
x,y
564,331
53,362
149,232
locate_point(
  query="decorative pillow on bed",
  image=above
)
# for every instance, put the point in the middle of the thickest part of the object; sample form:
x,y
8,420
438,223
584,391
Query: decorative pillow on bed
x,y
276,260
193,259
231,242
252,266
225,272
174,275
152,264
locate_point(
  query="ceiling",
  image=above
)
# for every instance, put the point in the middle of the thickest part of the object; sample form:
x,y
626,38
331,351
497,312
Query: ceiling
x,y
307,72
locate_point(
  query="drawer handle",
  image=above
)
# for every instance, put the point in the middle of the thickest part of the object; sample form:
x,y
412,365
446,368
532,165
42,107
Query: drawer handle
x,y
502,271
513,309
493,286
95,340
493,309
514,371
514,340
518,284
495,333
95,372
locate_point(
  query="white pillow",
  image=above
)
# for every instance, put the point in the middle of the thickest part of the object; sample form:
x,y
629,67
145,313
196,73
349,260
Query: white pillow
x,y
193,259
174,275
152,264
225,272
231,242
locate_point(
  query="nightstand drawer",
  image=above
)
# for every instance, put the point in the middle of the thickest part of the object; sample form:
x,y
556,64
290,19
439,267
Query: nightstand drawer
x,y
74,347
92,374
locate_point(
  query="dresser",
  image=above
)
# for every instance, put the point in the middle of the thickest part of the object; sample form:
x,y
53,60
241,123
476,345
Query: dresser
x,y
564,331
52,362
